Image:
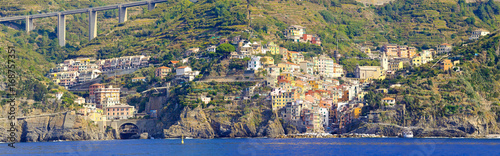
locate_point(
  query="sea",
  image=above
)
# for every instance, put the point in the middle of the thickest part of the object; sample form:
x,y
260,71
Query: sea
x,y
263,146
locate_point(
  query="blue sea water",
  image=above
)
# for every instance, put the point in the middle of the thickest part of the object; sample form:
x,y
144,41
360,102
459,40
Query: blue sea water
x,y
262,146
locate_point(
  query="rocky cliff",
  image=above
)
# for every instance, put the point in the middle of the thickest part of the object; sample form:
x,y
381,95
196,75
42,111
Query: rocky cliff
x,y
207,123
67,127
454,126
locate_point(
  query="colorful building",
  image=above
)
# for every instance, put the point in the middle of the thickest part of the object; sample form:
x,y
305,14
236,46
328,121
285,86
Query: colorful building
x,y
162,71
279,100
307,67
446,64
119,112
273,48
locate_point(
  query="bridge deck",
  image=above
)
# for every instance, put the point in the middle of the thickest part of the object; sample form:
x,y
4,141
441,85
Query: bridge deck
x,y
78,11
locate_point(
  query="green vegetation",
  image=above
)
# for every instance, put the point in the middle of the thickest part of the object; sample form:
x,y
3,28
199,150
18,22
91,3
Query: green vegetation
x,y
225,49
165,33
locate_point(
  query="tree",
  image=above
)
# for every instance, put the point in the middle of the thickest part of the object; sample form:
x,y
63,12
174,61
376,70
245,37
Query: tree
x,y
225,49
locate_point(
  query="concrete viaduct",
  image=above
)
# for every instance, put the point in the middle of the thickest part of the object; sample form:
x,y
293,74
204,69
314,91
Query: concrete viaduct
x,y
61,20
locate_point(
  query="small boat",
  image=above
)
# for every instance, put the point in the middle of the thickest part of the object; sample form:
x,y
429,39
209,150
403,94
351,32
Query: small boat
x,y
407,133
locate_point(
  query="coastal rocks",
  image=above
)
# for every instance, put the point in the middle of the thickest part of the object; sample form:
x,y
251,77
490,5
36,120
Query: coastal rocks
x,y
439,133
67,126
144,136
379,129
274,128
199,123
192,123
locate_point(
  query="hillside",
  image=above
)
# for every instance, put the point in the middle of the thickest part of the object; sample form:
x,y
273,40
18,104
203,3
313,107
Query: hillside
x,y
167,31
465,101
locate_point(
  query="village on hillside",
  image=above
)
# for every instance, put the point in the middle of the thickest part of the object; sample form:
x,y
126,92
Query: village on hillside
x,y
314,94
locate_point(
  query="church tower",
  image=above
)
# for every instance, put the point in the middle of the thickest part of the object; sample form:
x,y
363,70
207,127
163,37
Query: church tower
x,y
384,62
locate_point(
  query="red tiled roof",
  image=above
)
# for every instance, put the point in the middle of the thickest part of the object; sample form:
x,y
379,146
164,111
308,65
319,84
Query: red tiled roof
x,y
182,67
283,81
163,67
388,98
174,62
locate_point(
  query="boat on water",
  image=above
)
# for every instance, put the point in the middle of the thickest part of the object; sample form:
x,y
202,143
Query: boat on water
x,y
407,133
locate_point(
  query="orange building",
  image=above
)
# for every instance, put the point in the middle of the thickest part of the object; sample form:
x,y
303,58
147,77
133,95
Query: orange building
x,y
162,71
390,50
356,112
446,64
119,112
92,89
411,52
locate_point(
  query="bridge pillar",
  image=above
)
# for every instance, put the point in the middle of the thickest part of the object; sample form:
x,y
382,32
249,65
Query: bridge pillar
x,y
92,24
29,24
151,5
61,29
122,11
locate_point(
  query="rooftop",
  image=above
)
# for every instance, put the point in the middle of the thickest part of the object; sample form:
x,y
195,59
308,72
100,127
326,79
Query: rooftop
x,y
163,67
388,98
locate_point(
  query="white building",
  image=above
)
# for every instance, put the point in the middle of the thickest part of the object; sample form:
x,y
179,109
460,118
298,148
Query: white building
x,y
211,48
389,100
426,56
205,99
137,79
182,70
384,62
324,66
254,63
80,100
186,72
338,70
88,75
444,48
323,112
59,95
478,33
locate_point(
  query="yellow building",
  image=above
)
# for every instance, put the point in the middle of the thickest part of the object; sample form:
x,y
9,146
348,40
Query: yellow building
x,y
273,48
97,116
366,50
356,112
288,67
314,84
416,61
295,57
267,60
395,66
361,95
280,100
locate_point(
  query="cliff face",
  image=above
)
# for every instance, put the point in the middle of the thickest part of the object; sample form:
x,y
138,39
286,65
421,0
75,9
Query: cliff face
x,y
68,127
204,123
453,126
